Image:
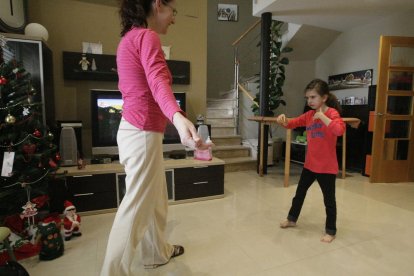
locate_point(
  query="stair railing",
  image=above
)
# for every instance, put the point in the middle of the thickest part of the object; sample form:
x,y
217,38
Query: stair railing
x,y
237,86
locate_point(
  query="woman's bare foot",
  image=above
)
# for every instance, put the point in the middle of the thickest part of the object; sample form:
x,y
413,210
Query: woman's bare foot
x,y
287,223
327,238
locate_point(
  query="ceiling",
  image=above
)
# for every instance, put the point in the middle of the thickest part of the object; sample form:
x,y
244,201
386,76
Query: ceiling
x,y
339,15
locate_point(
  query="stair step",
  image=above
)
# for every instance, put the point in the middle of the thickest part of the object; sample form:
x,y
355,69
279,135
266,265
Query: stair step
x,y
235,140
215,103
231,94
221,131
223,122
220,113
235,164
231,151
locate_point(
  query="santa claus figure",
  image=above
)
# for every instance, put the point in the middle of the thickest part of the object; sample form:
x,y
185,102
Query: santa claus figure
x,y
71,222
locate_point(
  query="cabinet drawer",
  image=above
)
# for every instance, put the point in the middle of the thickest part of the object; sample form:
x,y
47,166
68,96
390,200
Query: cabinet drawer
x,y
92,192
198,182
94,201
91,183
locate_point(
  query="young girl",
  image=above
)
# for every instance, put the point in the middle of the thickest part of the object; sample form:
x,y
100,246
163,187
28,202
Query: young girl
x,y
323,126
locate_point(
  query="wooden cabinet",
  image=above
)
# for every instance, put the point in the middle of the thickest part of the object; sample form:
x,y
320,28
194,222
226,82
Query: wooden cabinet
x,y
199,181
102,186
92,192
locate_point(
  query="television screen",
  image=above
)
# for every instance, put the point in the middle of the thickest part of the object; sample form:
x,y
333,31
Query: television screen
x,y
106,108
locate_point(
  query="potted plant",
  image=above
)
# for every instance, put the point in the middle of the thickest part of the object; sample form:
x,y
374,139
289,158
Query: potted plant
x,y
277,69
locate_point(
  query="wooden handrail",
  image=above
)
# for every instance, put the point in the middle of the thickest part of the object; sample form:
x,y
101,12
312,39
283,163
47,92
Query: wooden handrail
x,y
247,94
246,32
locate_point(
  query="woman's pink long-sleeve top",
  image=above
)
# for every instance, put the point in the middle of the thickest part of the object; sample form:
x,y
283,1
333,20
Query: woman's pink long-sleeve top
x,y
321,150
145,81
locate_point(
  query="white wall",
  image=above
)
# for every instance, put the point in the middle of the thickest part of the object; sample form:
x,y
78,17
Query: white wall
x,y
357,49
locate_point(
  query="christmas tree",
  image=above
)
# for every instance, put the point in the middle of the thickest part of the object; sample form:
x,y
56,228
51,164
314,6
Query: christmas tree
x,y
27,154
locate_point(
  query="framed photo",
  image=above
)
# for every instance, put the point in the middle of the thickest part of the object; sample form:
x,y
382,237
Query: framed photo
x,y
356,79
227,12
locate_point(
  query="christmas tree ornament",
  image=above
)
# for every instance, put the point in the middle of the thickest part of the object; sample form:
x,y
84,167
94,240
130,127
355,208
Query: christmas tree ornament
x,y
29,99
26,111
3,80
57,157
52,163
50,136
10,119
29,149
37,133
29,211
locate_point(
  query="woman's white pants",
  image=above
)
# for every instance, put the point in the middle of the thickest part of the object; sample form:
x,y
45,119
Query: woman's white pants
x,y
141,218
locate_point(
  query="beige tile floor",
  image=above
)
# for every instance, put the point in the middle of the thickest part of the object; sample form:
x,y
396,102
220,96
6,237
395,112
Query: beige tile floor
x,y
240,234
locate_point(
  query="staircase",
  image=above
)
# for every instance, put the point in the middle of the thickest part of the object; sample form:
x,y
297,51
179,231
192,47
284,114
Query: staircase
x,y
221,117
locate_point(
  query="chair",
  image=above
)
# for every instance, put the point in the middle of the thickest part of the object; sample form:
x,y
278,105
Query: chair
x,y
4,238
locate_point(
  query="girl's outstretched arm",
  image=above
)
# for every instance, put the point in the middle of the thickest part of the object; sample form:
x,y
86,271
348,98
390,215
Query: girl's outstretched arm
x,y
282,120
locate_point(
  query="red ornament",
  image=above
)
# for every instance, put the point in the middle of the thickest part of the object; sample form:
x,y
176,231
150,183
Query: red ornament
x,y
57,157
37,133
3,80
52,163
29,149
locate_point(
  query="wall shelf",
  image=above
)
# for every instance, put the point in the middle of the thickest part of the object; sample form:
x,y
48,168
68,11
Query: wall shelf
x,y
106,68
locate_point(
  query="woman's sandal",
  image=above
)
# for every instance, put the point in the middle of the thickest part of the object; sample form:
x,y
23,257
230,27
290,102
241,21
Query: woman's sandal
x,y
177,251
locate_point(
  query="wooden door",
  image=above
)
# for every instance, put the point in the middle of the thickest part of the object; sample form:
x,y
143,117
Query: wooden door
x,y
393,146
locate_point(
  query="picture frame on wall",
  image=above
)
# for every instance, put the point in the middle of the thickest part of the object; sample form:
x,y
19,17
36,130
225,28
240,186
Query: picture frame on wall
x,y
356,79
227,12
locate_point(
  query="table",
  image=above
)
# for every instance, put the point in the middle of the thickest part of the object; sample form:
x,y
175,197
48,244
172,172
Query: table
x,y
353,122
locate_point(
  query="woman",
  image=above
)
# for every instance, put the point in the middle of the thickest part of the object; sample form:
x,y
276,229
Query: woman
x,y
145,84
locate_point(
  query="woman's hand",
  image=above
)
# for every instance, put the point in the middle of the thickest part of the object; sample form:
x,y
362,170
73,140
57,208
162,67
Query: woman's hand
x,y
186,130
282,120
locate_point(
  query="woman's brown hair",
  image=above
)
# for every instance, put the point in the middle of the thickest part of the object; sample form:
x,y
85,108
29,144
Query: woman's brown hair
x,y
134,13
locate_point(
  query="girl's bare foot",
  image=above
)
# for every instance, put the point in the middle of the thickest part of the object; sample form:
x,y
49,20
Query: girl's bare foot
x,y
327,238
287,223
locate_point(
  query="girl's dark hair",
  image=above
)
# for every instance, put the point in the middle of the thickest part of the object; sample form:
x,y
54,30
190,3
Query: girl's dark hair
x,y
134,13
322,88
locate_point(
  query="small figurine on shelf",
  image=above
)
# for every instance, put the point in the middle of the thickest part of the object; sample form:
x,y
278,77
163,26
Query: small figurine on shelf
x,y
50,239
93,66
84,63
71,222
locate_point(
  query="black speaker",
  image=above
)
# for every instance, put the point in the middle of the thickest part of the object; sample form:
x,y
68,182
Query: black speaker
x,y
372,95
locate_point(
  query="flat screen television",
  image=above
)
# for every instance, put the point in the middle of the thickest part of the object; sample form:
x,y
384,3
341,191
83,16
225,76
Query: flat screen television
x,y
106,110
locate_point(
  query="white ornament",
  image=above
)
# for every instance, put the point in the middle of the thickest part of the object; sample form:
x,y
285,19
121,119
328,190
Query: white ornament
x,y
26,111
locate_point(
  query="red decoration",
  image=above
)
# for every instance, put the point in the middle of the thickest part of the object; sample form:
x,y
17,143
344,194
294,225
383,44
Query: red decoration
x,y
3,80
40,201
58,157
52,163
37,133
29,149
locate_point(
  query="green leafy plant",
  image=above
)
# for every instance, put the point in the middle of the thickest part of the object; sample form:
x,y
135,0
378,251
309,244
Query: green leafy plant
x,y
277,69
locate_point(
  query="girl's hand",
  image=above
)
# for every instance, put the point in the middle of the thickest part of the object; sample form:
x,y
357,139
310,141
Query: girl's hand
x,y
321,116
318,114
186,130
282,120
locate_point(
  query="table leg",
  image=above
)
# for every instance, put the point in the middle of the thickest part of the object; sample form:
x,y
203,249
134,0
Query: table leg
x,y
344,154
261,148
287,156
